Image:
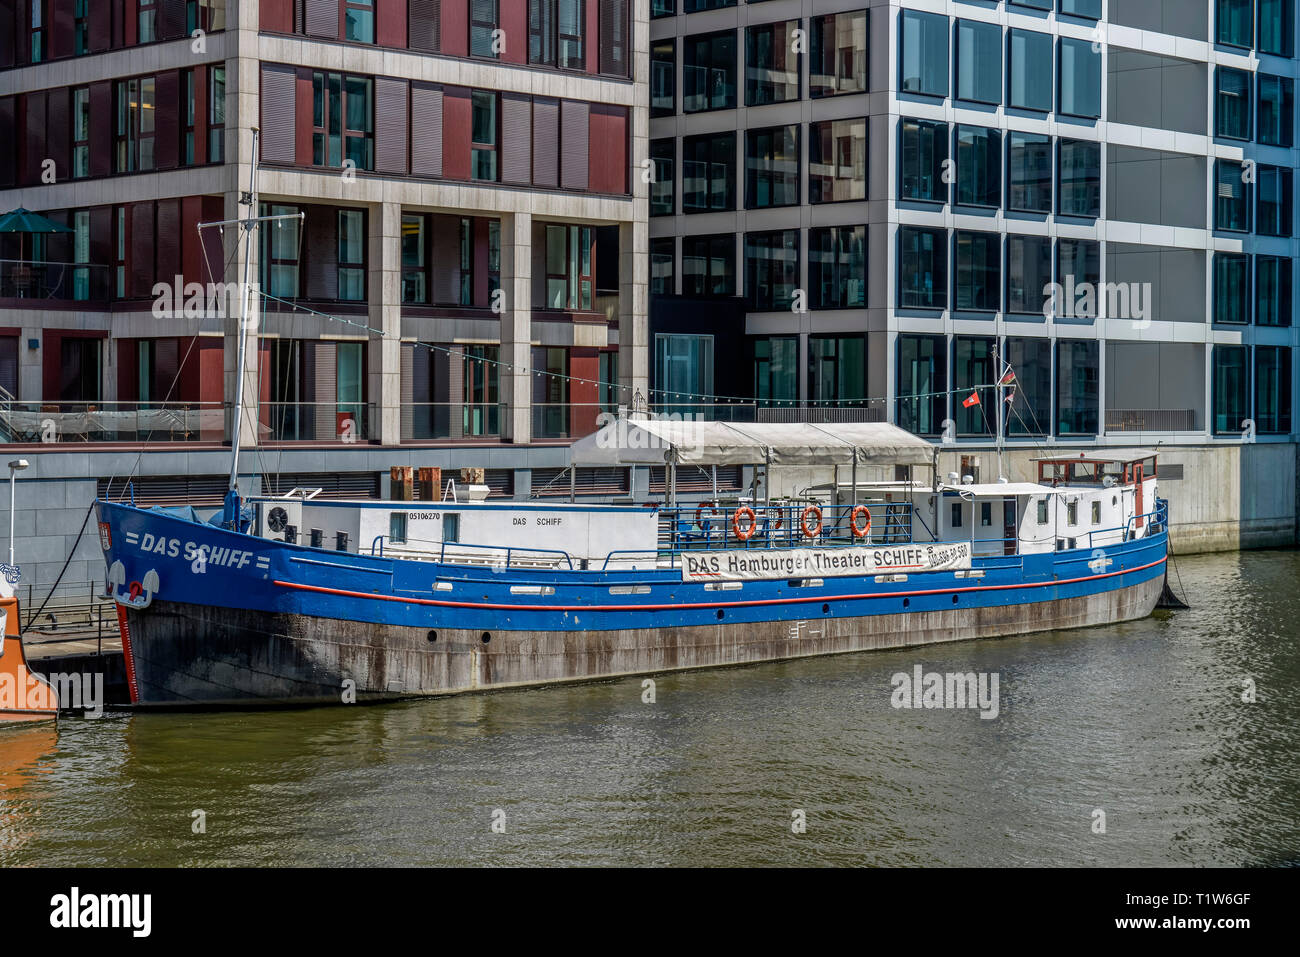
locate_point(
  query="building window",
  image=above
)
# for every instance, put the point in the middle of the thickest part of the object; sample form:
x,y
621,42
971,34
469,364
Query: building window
x,y
415,258
483,21
1029,172
81,254
120,248
1230,388
1076,386
663,77
699,6
978,71
1029,273
1030,410
1231,288
483,157
342,120
187,117
1273,389
135,125
661,190
1276,27
1231,197
923,148
837,161
977,271
148,20
39,43
771,68
683,369
661,266
709,173
207,15
1029,71
972,372
217,114
1078,264
1080,78
280,244
1273,210
80,132
771,269
979,166
80,368
1232,26
922,396
837,369
922,268
662,8
1272,291
1276,110
923,53
1232,103
466,273
555,33
1088,9
709,265
772,167
837,48
776,370
570,272
80,28
1079,169
352,255
837,267
709,72
359,21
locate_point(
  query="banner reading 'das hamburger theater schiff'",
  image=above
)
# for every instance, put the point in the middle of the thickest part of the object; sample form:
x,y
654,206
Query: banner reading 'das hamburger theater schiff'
x,y
755,564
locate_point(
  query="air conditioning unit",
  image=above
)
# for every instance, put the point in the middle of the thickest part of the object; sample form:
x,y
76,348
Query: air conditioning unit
x,y
278,515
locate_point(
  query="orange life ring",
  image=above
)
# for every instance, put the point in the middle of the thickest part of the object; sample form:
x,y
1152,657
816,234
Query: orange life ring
x,y
699,514
803,521
744,512
858,531
776,526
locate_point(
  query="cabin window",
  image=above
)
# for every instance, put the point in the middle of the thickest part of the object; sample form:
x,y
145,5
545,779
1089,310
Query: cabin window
x,y
1042,511
451,527
986,514
1096,513
397,527
1071,513
956,515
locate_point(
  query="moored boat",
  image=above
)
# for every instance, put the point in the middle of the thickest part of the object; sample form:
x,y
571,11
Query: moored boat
x,y
299,600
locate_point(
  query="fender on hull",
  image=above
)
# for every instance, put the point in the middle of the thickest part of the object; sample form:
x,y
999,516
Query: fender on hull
x,y
185,655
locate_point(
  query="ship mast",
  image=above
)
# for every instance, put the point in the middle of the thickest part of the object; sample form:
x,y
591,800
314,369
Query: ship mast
x,y
247,318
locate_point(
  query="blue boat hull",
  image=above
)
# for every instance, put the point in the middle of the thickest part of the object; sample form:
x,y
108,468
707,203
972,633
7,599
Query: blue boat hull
x,y
212,617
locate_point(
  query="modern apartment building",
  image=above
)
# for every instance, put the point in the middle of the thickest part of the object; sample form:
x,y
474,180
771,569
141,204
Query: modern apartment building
x,y
462,176
868,202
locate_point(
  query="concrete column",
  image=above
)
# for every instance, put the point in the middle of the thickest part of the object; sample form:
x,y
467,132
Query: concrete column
x,y
633,308
516,325
385,293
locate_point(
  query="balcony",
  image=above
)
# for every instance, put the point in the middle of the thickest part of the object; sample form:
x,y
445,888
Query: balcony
x,y
45,423
69,282
320,422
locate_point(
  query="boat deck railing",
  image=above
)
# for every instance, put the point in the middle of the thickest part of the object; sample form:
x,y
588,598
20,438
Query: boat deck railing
x,y
784,525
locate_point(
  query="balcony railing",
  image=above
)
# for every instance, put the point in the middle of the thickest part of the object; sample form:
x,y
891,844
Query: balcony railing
x,y
1151,420
73,282
62,422
344,422
452,420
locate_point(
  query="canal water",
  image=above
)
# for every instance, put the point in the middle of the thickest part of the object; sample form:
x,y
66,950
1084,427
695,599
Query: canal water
x,y
1139,727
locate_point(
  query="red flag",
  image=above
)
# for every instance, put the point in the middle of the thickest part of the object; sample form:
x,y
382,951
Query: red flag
x,y
972,399
1010,397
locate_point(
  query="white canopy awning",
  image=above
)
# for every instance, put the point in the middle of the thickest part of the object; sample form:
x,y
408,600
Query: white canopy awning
x,y
644,441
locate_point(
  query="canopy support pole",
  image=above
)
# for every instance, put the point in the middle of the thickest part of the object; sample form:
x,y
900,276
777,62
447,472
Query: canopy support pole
x,y
573,484
672,484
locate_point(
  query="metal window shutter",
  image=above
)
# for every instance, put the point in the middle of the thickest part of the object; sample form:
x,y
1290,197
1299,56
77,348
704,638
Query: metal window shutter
x,y
327,389
166,141
546,142
8,161
390,125
426,130
322,18
34,104
58,110
425,25
613,37
500,483
695,480
9,364
101,128
279,87
61,18
167,355
333,485
142,249
608,170
516,138
446,259
171,20
390,23
198,490
406,390
169,251
576,120
588,481
321,253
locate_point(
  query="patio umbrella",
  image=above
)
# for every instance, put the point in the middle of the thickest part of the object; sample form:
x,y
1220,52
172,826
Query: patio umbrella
x,y
24,221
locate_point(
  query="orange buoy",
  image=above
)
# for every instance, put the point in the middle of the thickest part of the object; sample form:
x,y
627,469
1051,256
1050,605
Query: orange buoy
x,y
814,512
860,531
746,533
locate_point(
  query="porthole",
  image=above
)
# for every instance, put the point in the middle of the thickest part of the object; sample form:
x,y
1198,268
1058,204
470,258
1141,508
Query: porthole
x,y
720,614
432,636
907,602
486,637
954,599
826,609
